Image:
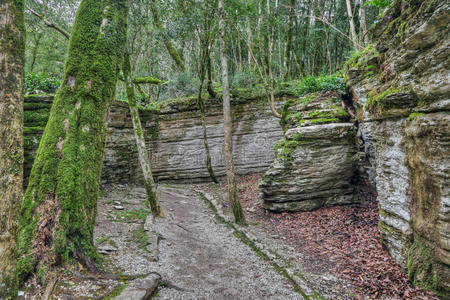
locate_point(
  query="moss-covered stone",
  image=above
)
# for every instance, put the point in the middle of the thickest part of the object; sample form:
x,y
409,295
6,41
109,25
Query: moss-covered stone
x,y
422,266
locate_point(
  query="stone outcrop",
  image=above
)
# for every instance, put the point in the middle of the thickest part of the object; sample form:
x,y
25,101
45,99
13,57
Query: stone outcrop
x,y
315,161
174,136
401,92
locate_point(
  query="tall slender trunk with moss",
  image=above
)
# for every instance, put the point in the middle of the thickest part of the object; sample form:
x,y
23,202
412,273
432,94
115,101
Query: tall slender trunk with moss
x,y
60,205
202,109
289,36
144,158
209,82
238,212
176,56
12,57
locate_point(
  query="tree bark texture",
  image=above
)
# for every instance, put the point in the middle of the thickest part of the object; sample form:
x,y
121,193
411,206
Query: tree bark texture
x,y
144,158
12,54
60,205
177,58
238,212
351,21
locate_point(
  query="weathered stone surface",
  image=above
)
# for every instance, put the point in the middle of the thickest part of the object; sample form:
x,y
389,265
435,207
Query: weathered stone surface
x,y
403,111
175,139
314,163
140,289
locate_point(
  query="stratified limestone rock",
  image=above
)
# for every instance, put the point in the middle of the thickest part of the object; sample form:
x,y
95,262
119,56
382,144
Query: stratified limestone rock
x,y
315,162
401,92
175,138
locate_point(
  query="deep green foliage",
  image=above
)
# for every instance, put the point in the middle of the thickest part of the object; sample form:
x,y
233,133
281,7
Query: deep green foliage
x,y
379,3
35,83
314,84
244,80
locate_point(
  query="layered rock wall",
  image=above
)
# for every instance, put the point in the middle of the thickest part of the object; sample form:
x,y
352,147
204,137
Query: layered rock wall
x,y
175,138
316,160
401,92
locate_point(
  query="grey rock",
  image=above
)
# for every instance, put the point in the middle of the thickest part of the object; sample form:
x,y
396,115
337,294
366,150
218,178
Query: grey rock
x,y
140,289
409,154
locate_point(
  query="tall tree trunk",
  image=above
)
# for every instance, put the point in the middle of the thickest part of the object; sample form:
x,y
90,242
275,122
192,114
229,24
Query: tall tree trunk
x,y
364,36
209,82
202,108
176,56
60,205
12,60
353,35
144,157
289,35
37,39
239,215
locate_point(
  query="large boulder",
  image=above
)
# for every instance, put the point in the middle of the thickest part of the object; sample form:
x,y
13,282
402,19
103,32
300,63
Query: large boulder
x,y
315,161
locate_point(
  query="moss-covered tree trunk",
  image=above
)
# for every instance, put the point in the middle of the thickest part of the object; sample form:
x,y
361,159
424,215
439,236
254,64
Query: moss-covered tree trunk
x,y
176,56
238,212
202,109
12,54
144,158
60,205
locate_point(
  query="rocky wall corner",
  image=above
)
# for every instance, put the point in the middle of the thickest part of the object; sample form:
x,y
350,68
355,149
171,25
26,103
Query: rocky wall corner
x,y
316,160
401,91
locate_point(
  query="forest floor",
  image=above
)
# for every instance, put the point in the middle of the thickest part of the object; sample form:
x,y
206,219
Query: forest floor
x,y
197,252
338,249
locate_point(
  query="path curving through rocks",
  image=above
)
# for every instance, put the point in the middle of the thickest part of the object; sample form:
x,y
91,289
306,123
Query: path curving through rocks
x,y
201,258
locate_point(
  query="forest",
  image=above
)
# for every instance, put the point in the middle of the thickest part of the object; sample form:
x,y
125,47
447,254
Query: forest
x,y
224,149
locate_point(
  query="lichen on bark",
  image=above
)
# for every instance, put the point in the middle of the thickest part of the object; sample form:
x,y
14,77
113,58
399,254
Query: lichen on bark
x,y
12,53
60,204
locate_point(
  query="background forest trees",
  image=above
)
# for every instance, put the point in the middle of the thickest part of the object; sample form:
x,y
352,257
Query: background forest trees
x,y
288,38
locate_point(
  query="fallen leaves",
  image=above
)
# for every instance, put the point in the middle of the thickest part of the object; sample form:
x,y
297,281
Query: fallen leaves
x,y
346,237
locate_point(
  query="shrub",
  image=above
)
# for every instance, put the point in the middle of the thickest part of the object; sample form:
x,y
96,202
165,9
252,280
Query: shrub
x,y
245,79
321,84
41,83
182,84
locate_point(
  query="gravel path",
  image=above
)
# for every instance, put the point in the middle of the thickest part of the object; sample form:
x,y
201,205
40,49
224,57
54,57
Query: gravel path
x,y
201,255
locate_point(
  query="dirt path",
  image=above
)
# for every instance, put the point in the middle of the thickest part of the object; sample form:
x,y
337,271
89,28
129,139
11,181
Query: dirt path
x,y
203,257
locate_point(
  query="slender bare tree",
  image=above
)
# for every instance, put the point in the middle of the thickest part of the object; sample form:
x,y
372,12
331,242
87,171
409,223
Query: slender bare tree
x,y
239,215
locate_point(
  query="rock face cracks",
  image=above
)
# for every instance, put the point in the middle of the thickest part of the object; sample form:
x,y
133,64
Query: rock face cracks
x,y
401,91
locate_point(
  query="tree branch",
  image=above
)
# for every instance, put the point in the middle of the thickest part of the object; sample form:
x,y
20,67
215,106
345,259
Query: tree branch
x,y
48,23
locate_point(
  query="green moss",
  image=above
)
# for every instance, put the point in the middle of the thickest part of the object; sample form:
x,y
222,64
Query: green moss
x,y
60,204
377,101
357,59
413,116
129,216
106,240
422,266
118,289
324,120
140,236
